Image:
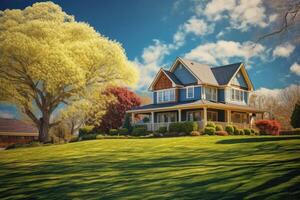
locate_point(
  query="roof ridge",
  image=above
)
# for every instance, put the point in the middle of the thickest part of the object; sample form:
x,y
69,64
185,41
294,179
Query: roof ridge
x,y
227,65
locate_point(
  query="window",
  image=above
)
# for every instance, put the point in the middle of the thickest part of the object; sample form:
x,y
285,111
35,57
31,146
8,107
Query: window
x,y
193,116
166,117
212,116
237,95
190,92
210,93
239,117
165,96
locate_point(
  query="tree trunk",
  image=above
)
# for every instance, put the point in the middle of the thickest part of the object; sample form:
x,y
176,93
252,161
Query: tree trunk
x,y
44,128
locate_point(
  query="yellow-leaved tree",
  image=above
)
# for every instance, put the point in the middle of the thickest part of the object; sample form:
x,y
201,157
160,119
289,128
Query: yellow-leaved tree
x,y
47,58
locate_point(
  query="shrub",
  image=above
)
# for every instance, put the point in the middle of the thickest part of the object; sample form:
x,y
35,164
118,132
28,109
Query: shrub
x,y
113,132
211,124
88,137
86,130
123,131
229,129
209,130
175,127
139,131
221,133
74,139
252,130
291,132
241,131
269,127
127,123
236,131
18,145
162,129
247,131
195,133
188,127
219,128
295,117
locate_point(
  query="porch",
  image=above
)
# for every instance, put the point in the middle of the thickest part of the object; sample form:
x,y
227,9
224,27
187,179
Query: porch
x,y
224,114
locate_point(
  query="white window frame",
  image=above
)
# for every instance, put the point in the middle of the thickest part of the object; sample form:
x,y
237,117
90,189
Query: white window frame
x,y
204,93
193,112
187,92
237,98
165,95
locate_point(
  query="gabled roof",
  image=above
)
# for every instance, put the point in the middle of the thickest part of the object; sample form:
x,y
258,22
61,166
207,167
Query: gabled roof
x,y
224,74
173,77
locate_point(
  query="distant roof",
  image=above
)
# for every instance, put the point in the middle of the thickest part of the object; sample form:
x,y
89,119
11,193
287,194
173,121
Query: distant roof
x,y
202,71
16,126
173,77
223,74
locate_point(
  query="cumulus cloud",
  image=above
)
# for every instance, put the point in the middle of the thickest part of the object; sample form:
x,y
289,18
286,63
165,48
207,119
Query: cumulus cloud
x,y
283,50
150,62
268,92
6,115
195,26
295,68
222,51
241,14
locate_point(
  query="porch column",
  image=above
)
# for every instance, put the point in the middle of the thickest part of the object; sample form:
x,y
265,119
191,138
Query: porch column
x,y
179,115
152,121
205,116
228,116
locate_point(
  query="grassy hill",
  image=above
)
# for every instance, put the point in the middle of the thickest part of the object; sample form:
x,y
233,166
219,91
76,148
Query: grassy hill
x,y
168,168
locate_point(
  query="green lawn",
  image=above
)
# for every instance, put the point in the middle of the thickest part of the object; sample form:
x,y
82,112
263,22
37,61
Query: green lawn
x,y
169,168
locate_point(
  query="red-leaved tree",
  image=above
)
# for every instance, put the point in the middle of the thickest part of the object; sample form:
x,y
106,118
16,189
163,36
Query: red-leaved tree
x,y
116,110
270,127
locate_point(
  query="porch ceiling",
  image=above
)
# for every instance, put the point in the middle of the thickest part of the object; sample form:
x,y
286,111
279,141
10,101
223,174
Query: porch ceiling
x,y
192,105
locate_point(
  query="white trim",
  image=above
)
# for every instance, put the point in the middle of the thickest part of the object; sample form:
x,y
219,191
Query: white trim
x,y
203,93
186,92
157,95
245,75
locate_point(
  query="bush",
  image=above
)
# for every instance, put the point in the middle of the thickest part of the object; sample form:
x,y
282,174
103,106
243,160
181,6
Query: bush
x,y
241,131
74,139
219,128
89,137
31,144
247,131
221,133
291,132
139,131
229,129
162,130
113,132
209,130
175,127
236,131
269,127
86,130
123,131
211,124
188,127
195,133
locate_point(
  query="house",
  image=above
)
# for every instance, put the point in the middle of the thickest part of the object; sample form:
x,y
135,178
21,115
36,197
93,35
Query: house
x,y
14,131
190,91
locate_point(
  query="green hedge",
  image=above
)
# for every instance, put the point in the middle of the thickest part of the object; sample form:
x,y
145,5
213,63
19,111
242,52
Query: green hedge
x,y
175,127
86,130
113,132
229,129
247,131
209,130
139,131
185,127
123,131
88,137
219,128
162,129
290,132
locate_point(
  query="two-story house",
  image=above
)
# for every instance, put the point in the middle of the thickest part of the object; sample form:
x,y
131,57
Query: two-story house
x,y
191,91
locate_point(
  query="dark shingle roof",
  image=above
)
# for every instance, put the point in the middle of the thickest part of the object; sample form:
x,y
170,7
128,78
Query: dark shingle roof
x,y
16,126
223,74
173,77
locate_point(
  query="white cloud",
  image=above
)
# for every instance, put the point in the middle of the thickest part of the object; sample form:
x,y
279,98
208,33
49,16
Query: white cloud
x,y
6,115
241,13
151,61
283,50
195,26
222,51
295,68
268,92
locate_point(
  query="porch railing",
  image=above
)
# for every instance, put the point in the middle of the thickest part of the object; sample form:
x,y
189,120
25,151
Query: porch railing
x,y
155,126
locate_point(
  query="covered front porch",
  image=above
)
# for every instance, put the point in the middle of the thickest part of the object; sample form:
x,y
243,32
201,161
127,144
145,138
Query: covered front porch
x,y
221,114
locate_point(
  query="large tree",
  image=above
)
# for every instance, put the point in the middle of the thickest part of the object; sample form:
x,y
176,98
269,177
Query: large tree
x,y
47,58
115,112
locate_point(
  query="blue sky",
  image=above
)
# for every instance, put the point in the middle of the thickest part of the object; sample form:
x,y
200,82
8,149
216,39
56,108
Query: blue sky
x,y
155,32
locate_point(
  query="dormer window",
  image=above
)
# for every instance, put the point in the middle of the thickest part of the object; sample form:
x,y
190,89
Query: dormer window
x,y
190,92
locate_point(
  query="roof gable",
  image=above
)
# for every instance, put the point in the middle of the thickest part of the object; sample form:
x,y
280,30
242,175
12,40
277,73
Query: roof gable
x,y
169,75
224,74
